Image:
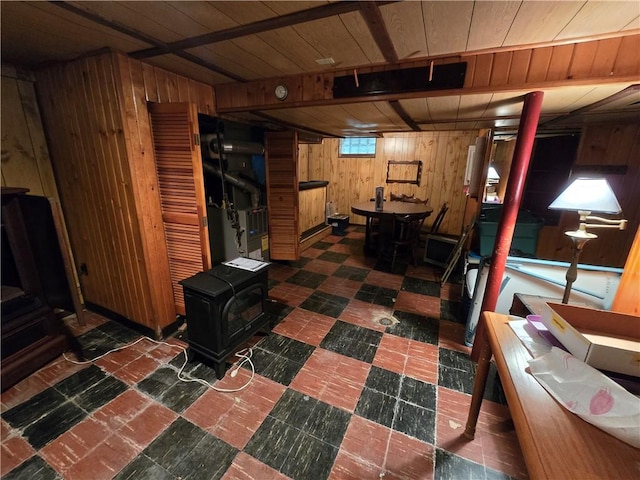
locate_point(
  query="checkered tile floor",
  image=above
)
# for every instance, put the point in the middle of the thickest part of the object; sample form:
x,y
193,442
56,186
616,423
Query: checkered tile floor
x,y
364,376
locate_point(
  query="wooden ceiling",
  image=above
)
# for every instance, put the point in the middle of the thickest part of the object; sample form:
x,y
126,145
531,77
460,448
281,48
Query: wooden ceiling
x,y
241,46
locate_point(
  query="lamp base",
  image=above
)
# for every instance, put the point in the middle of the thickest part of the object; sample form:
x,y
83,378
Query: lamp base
x,y
579,239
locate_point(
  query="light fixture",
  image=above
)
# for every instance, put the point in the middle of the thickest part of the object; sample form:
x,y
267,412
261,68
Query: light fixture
x,y
493,179
586,195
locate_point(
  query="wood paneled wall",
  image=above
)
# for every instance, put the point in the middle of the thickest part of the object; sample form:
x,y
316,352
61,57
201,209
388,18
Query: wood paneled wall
x,y
603,145
25,156
444,157
95,114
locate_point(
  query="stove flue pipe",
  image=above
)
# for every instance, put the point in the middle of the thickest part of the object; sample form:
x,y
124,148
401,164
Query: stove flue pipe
x,y
233,180
233,146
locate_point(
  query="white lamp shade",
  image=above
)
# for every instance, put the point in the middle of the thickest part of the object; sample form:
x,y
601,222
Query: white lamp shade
x,y
587,194
492,174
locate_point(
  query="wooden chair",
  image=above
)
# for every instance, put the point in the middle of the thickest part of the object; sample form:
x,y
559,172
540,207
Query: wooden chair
x,y
405,233
438,220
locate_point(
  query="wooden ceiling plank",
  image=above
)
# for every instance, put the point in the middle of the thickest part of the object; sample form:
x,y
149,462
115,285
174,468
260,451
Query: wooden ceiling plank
x,y
490,24
447,28
53,34
631,90
609,16
362,35
374,20
142,37
406,28
540,21
287,20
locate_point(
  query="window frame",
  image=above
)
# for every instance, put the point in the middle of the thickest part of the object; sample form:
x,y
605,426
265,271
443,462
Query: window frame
x,y
358,155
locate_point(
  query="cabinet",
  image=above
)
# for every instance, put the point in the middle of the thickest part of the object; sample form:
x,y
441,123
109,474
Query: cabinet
x,y
31,335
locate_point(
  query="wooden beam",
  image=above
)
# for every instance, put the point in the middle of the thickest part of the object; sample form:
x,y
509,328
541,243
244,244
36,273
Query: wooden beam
x,y
295,18
373,17
292,126
630,90
143,37
395,104
237,97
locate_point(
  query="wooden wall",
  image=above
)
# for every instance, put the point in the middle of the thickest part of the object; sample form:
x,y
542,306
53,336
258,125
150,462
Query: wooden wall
x,y
603,146
25,156
95,114
444,157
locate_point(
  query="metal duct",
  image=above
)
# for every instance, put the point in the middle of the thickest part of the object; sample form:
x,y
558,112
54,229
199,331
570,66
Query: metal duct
x,y
235,146
238,182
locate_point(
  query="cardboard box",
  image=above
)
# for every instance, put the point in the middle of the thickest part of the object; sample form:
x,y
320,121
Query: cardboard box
x,y
605,340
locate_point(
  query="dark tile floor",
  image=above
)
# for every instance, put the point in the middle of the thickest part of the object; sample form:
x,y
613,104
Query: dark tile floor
x,y
364,376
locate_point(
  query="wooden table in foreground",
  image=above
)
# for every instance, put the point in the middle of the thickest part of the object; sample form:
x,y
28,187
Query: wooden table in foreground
x,y
556,444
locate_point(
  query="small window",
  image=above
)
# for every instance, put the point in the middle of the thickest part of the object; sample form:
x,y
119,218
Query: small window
x,y
358,147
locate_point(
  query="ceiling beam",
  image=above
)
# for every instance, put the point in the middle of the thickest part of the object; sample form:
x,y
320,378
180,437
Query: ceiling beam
x,y
295,18
373,17
630,90
395,104
118,27
291,126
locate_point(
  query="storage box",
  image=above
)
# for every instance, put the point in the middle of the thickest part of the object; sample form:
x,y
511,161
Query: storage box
x,y
525,235
339,224
605,340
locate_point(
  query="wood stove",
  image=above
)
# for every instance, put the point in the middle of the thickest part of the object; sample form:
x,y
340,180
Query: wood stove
x,y
225,306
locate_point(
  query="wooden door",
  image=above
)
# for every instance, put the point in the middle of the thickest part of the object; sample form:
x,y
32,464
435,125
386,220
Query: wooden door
x,y
281,150
176,145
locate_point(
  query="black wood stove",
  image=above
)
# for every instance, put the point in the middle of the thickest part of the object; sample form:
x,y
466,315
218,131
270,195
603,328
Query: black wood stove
x,y
225,306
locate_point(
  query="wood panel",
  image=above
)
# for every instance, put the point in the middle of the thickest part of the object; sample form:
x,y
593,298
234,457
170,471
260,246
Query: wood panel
x,y
25,156
174,128
602,145
444,156
627,298
88,151
281,151
96,118
312,208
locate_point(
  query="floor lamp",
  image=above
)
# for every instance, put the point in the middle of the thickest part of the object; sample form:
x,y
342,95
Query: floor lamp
x,y
586,195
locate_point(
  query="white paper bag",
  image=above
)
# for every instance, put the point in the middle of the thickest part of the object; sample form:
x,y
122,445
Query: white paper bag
x,y
588,393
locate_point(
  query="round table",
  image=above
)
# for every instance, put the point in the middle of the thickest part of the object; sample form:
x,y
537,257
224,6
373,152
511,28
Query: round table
x,y
368,209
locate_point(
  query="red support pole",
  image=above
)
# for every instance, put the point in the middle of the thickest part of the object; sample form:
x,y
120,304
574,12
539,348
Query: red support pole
x,y
510,208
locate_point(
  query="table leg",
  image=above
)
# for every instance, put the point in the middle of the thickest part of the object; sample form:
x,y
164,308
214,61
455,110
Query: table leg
x,y
367,235
479,385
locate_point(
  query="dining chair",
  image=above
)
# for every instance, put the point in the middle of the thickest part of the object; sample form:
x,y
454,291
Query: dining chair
x,y
405,233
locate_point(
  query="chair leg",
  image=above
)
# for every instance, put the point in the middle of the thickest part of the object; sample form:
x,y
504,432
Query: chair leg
x,y
393,259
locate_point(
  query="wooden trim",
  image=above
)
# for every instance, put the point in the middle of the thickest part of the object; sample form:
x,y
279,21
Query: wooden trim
x,y
67,259
542,67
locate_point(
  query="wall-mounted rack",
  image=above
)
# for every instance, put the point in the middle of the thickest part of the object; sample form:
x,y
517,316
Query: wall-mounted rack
x,y
404,175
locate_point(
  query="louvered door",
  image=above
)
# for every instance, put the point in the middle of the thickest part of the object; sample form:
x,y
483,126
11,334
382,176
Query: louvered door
x,y
180,178
281,150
